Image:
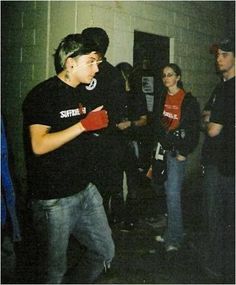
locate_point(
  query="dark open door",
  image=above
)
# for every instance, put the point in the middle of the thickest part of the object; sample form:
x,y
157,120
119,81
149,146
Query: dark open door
x,y
154,47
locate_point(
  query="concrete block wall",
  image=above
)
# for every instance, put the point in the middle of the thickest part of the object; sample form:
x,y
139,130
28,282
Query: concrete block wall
x,y
31,30
23,62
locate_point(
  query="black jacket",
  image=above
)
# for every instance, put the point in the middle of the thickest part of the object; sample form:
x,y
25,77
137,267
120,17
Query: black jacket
x,y
107,89
185,138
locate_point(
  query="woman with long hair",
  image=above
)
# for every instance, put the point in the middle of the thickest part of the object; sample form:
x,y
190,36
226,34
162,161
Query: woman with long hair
x,y
176,124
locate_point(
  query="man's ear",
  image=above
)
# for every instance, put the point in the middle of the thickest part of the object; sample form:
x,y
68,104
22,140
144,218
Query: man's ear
x,y
69,64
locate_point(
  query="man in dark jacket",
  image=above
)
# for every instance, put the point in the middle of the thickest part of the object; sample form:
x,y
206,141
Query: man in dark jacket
x,y
218,156
108,89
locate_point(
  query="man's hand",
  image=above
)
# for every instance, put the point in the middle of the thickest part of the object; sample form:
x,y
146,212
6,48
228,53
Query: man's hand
x,y
124,125
95,120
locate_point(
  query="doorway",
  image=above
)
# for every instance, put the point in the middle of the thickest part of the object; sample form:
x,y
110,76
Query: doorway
x,y
154,47
150,54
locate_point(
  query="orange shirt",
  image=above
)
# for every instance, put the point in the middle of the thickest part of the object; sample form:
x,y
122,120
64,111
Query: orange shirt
x,y
172,110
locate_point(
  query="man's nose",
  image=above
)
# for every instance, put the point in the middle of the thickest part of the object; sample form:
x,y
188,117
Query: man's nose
x,y
219,57
96,69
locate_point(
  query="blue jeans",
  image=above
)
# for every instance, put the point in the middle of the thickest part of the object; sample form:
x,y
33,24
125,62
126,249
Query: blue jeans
x,y
173,186
81,215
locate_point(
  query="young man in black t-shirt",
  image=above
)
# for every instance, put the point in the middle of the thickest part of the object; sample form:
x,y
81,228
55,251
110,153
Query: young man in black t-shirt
x,y
219,179
63,200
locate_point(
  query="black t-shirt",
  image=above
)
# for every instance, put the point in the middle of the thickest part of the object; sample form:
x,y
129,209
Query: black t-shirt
x,y
211,145
136,107
64,171
136,103
223,113
108,89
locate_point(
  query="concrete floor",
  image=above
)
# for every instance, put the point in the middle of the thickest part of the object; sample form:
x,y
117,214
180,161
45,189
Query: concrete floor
x,y
139,258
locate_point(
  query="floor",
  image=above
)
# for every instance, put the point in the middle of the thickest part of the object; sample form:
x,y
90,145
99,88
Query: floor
x,y
139,259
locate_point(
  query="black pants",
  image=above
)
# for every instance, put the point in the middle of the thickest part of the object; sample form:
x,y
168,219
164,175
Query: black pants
x,y
219,205
128,210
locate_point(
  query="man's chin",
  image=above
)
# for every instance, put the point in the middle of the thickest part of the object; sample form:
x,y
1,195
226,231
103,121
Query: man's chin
x,y
89,80
221,69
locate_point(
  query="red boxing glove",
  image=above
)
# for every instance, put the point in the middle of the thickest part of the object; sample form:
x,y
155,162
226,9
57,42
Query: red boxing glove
x,y
95,120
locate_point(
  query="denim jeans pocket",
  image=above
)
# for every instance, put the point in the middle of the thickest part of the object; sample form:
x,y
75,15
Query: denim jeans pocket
x,y
45,204
43,210
93,197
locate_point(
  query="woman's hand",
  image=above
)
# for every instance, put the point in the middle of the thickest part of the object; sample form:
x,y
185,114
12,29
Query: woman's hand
x,y
180,157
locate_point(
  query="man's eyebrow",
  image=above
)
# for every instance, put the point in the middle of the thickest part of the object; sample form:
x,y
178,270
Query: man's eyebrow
x,y
221,53
92,57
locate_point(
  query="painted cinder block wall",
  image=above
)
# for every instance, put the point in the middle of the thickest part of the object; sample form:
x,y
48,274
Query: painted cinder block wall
x,y
31,30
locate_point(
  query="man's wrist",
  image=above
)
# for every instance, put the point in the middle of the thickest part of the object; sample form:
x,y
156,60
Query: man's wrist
x,y
81,127
205,125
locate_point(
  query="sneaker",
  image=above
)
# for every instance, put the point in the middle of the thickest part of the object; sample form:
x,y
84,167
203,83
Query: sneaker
x,y
160,222
159,239
127,226
171,248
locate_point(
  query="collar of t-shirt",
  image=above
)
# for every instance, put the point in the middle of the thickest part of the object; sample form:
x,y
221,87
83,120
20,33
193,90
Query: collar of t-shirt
x,y
172,110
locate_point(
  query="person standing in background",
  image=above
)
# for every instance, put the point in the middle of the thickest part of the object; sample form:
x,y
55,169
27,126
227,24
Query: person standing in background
x,y
108,89
177,127
143,81
218,157
64,202
131,128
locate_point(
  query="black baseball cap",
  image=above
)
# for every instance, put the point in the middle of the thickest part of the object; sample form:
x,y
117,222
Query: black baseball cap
x,y
227,44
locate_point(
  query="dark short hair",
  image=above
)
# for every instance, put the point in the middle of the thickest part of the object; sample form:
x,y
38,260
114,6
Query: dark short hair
x,y
125,68
99,36
71,46
177,71
227,44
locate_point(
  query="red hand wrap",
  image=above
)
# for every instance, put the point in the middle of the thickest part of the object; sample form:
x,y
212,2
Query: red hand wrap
x,y
95,120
